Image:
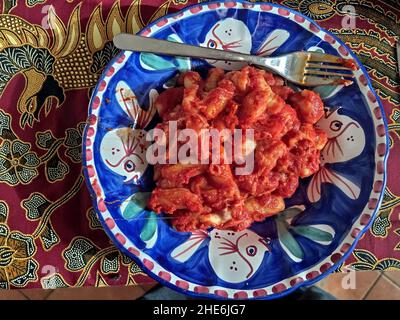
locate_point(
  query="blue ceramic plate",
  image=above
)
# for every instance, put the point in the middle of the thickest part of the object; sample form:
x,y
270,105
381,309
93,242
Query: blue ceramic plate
x,y
323,220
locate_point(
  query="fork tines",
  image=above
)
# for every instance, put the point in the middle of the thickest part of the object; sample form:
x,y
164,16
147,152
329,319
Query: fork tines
x,y
326,65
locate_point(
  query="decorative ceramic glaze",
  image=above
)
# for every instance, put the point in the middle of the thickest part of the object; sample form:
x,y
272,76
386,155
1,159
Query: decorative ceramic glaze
x,y
323,220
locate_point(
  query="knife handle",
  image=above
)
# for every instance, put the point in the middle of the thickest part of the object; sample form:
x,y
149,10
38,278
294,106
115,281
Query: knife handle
x,y
131,42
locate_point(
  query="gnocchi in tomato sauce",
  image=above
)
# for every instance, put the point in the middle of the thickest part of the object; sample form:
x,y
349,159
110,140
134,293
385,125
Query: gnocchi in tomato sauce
x,y
287,147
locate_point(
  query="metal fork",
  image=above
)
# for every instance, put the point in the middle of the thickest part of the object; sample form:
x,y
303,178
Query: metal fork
x,y
301,67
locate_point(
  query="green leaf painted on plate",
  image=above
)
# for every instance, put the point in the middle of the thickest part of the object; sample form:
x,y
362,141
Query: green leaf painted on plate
x,y
149,228
288,242
136,205
183,63
155,62
326,92
131,211
313,233
290,213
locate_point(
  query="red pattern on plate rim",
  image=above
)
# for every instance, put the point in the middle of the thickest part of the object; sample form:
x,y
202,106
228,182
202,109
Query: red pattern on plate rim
x,y
278,288
380,129
221,293
89,155
121,238
355,233
363,80
266,7
365,218
213,5
336,257
295,281
378,185
248,5
283,12
162,22
372,203
96,102
240,295
165,275
313,27
90,171
96,188
92,118
148,264
121,58
311,275
110,223
134,251
90,132
299,18
381,149
178,15
371,96
328,38
378,113
230,4
325,267
345,247
343,50
201,289
88,142
182,284
196,9
259,293
110,72
146,32
380,167
102,85
101,204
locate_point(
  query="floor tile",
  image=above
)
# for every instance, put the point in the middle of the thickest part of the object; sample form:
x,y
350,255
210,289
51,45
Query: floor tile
x,y
11,295
343,287
393,275
36,294
92,293
384,289
148,286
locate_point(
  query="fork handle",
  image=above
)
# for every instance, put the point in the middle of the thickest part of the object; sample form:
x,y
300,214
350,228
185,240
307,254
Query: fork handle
x,y
131,42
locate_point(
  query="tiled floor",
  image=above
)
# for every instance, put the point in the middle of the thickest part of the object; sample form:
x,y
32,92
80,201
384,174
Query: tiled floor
x,y
368,285
86,293
363,285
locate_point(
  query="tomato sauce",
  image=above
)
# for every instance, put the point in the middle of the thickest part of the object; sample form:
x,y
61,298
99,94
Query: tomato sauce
x,y
286,148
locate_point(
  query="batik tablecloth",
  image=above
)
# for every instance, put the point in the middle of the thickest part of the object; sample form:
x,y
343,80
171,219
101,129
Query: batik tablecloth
x,y
51,54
